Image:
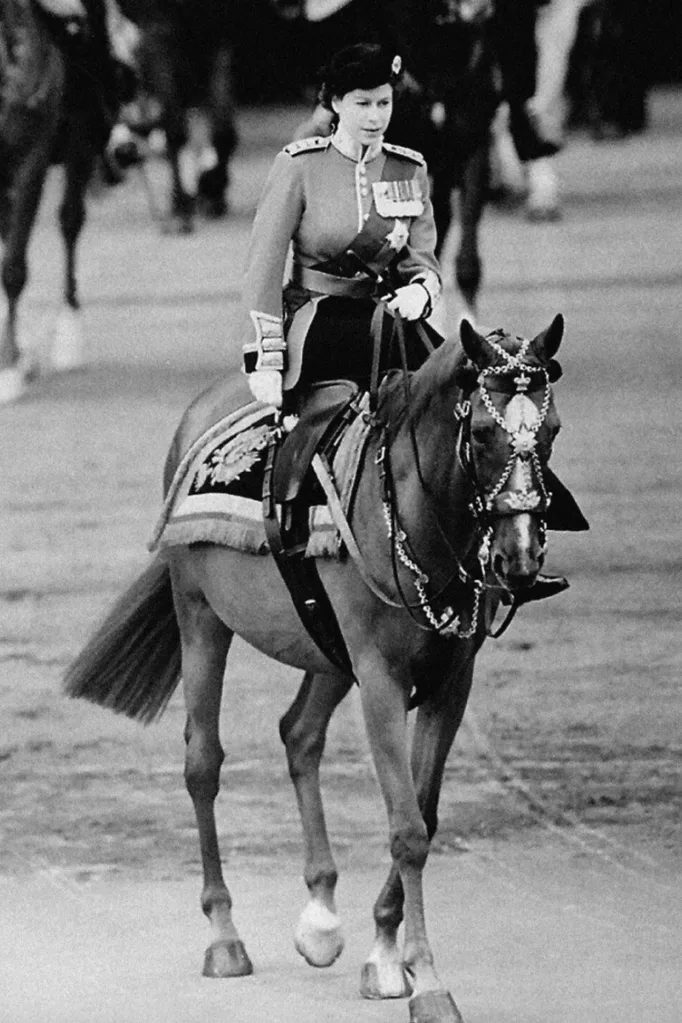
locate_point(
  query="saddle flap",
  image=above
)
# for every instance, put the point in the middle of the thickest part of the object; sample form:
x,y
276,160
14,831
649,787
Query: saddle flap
x,y
324,403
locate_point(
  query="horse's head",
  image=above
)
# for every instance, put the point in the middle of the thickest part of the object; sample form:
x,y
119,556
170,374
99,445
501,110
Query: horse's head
x,y
509,423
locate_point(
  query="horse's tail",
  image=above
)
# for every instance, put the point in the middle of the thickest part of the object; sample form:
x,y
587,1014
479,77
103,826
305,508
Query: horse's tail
x,y
132,663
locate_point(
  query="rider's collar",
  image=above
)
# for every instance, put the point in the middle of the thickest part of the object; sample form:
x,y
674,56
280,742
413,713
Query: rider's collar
x,y
347,146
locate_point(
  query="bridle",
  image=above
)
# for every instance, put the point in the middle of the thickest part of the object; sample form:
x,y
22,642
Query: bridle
x,y
513,375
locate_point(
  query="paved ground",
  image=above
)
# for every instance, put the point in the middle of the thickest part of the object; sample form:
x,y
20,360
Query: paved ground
x,y
554,888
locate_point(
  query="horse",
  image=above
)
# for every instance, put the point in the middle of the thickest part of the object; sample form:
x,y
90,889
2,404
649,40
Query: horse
x,y
448,521
49,113
186,57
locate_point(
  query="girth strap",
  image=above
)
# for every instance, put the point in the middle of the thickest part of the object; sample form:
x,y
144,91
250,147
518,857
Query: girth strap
x,y
299,573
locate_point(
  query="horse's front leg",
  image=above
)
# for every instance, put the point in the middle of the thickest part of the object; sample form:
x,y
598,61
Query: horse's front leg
x,y
385,691
468,270
67,348
18,208
438,720
441,199
163,61
180,216
214,179
303,730
205,644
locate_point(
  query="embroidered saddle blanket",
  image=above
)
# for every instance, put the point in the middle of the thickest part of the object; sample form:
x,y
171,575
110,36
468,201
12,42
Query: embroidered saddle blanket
x,y
216,493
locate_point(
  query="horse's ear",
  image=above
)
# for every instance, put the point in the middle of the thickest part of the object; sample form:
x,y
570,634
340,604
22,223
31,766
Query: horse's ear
x,y
472,341
546,344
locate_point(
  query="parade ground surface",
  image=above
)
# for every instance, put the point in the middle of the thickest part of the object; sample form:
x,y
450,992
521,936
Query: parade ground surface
x,y
553,888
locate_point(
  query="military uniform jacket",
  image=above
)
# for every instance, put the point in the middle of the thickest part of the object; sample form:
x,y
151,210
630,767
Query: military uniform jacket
x,y
319,197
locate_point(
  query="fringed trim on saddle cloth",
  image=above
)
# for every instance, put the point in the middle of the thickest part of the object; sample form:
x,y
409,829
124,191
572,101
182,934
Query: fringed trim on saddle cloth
x,y
215,494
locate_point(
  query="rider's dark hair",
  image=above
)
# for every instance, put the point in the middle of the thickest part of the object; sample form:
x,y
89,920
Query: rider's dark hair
x,y
361,66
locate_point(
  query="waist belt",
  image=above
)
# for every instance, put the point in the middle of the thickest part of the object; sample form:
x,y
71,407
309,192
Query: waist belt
x,y
330,284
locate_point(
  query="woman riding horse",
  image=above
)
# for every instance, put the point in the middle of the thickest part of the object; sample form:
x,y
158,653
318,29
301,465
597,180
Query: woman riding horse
x,y
359,215
351,192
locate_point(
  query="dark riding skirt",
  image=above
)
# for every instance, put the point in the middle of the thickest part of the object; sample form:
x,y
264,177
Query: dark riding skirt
x,y
339,343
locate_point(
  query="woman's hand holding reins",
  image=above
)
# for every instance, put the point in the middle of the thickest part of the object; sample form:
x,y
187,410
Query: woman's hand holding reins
x,y
412,301
266,386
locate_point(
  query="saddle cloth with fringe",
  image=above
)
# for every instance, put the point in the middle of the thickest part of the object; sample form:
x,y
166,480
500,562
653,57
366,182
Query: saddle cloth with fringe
x,y
216,493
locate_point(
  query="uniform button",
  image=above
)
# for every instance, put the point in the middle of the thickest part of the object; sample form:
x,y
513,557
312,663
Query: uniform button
x,y
363,191
366,216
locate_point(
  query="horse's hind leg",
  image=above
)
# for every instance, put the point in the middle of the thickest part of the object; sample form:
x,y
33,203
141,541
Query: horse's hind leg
x,y
205,644
303,731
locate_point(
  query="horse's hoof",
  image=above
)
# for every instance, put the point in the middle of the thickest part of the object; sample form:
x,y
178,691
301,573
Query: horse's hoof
x,y
227,959
67,346
394,982
543,214
318,936
12,385
211,208
434,1007
177,225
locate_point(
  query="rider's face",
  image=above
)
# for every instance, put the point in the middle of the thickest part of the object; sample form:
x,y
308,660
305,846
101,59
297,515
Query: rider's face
x,y
364,113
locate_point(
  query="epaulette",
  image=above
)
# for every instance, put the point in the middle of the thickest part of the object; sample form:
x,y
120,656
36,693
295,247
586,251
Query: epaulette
x,y
307,145
409,154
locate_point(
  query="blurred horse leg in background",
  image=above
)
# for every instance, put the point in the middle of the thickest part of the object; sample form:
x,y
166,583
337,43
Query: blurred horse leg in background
x,y
187,68
533,45
555,32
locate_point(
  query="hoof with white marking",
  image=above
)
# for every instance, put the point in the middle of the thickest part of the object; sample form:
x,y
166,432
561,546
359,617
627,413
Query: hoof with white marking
x,y
67,347
318,937
12,385
385,980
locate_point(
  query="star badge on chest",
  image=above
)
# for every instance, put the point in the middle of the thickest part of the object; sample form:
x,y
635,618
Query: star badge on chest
x,y
398,236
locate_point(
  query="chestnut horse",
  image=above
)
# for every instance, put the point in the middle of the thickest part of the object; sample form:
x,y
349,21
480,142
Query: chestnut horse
x,y
447,522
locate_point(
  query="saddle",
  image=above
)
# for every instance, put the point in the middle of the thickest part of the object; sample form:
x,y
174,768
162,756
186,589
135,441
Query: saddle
x,y
288,482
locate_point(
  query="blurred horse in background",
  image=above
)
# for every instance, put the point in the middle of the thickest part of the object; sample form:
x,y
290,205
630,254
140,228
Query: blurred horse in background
x,y
53,109
448,116
186,66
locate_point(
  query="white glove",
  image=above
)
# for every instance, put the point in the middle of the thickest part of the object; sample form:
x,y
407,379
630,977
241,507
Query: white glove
x,y
410,301
266,386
